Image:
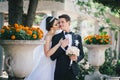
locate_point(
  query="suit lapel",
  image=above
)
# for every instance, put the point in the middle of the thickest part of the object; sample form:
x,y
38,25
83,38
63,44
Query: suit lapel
x,y
73,39
62,35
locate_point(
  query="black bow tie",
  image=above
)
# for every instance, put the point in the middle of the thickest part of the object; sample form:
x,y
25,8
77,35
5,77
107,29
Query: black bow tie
x,y
68,33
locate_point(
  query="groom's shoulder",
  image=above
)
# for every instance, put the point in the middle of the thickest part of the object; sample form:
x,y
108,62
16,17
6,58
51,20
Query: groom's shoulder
x,y
77,35
57,35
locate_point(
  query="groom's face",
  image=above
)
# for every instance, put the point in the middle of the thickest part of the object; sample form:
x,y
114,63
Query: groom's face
x,y
64,25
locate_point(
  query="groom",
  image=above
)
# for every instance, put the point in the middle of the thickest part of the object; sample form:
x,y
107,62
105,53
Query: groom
x,y
63,70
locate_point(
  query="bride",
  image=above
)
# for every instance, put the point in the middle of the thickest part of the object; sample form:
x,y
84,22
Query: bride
x,y
44,69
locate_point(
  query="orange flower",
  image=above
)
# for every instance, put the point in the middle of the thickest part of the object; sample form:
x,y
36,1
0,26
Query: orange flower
x,y
26,28
2,30
17,30
20,26
101,41
16,25
33,28
29,32
13,37
90,40
40,36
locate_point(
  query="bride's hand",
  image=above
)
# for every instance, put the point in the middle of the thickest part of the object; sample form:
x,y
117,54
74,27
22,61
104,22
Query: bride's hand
x,y
59,43
64,42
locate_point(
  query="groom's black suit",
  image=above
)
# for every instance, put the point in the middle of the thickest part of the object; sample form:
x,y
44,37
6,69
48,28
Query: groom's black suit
x,y
63,71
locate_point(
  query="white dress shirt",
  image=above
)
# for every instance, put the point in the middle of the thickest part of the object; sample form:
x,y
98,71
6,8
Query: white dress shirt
x,y
68,36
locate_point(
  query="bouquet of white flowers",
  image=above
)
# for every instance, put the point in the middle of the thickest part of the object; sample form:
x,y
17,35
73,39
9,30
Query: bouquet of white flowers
x,y
73,50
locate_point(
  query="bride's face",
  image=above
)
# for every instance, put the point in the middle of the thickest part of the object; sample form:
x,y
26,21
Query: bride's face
x,y
56,25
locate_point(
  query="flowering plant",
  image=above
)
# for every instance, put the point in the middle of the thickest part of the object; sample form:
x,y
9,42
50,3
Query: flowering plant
x,y
20,32
102,38
73,50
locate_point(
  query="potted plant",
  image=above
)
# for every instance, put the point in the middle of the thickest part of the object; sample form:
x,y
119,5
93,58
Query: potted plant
x,y
19,43
97,44
111,66
20,32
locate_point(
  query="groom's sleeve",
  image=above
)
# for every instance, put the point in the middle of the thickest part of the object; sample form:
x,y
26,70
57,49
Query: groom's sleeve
x,y
80,46
59,52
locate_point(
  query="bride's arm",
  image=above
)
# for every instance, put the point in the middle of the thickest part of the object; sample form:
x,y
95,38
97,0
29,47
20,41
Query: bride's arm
x,y
47,47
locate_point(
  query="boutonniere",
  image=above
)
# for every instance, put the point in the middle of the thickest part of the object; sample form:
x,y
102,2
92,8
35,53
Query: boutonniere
x,y
76,42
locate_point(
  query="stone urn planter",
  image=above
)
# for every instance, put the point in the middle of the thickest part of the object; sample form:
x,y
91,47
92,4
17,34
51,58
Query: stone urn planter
x,y
19,56
96,57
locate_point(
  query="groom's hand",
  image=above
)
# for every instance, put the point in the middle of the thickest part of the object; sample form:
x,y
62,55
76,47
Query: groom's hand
x,y
73,57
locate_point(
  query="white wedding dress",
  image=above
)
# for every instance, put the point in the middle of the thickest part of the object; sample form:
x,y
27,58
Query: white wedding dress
x,y
45,67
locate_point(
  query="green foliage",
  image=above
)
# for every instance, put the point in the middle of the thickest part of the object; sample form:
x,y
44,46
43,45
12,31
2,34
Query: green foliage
x,y
111,66
117,69
107,67
107,20
38,18
101,28
113,4
83,70
116,30
99,9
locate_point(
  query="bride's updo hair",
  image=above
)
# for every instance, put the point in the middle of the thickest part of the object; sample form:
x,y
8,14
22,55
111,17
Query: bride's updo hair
x,y
49,22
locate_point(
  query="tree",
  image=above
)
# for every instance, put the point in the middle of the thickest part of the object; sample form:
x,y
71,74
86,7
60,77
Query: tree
x,y
15,9
113,4
16,13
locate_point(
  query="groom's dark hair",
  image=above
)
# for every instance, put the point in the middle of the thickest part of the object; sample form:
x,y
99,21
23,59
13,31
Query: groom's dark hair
x,y
65,16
